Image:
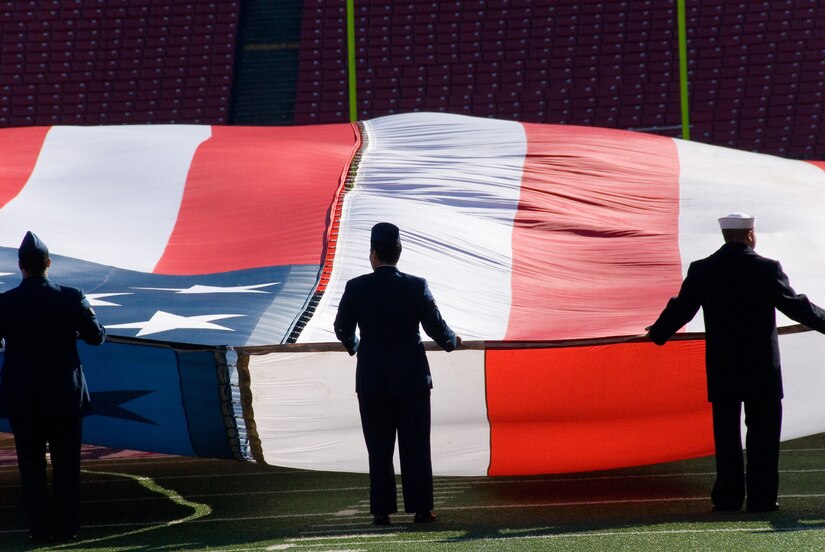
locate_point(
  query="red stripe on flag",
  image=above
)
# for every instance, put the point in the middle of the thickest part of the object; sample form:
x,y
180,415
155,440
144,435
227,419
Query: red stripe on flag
x,y
820,164
335,212
258,196
19,150
596,235
596,407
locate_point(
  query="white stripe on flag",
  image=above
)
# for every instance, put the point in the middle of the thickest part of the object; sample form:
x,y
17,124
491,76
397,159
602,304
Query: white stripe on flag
x,y
803,380
306,412
109,195
460,424
452,184
787,198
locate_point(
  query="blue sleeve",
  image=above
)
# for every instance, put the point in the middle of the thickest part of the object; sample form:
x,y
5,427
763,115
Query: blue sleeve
x,y
89,327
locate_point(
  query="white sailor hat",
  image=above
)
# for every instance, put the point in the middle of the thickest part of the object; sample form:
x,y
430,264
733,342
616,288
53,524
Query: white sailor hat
x,y
735,221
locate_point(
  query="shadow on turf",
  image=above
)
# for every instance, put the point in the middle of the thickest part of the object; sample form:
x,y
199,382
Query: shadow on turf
x,y
646,500
616,502
779,522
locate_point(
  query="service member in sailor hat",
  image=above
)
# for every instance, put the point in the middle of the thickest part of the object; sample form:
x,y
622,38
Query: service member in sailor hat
x,y
739,292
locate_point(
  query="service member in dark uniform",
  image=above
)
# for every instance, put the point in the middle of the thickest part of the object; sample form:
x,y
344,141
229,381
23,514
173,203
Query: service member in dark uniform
x,y
43,391
739,292
392,377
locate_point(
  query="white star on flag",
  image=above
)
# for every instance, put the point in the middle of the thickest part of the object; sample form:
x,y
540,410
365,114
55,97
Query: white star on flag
x,y
215,289
164,321
95,299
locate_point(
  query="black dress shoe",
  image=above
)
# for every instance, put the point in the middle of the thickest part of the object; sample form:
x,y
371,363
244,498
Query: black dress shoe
x,y
39,538
381,520
769,507
717,508
424,517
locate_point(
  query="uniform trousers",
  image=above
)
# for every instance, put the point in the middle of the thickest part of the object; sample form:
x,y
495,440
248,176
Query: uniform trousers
x,y
59,516
763,420
382,416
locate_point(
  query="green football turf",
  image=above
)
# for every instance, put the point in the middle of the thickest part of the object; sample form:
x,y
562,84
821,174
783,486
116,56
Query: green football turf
x,y
172,503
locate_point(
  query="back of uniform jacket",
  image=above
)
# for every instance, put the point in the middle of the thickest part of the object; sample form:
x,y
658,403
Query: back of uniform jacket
x,y
388,306
739,292
40,322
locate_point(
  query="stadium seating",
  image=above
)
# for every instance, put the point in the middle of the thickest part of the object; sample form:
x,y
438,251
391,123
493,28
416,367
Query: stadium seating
x,y
116,61
755,68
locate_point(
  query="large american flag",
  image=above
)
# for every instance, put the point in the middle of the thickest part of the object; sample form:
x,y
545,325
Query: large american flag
x,y
247,236
186,234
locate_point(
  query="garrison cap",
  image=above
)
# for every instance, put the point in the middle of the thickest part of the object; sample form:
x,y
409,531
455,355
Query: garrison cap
x,y
736,221
385,233
32,246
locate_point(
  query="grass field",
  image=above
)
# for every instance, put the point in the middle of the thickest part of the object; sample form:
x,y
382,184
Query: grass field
x,y
173,503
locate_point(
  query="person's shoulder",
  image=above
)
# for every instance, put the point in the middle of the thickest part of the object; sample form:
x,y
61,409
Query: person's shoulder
x,y
705,260
731,253
69,291
12,300
412,278
704,263
415,284
362,278
359,281
763,262
11,294
746,259
769,266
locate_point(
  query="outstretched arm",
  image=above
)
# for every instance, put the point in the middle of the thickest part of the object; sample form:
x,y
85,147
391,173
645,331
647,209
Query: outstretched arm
x,y
435,326
679,310
797,306
89,328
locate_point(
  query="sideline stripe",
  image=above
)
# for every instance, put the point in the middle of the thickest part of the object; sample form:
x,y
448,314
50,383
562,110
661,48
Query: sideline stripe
x,y
198,510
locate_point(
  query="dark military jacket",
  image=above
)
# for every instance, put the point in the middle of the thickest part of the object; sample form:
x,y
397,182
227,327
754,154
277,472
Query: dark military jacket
x,y
388,306
739,292
40,322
